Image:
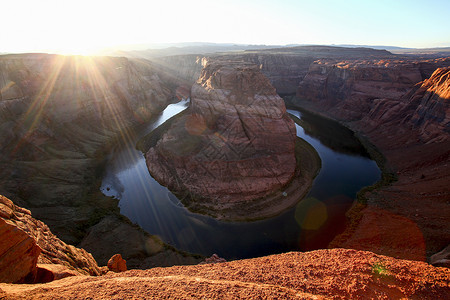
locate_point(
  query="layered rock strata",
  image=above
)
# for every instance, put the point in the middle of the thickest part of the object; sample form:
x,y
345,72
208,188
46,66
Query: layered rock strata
x,y
284,67
234,144
409,123
349,89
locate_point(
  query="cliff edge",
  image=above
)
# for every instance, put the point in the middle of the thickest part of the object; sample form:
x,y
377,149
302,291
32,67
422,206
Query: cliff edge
x,y
320,274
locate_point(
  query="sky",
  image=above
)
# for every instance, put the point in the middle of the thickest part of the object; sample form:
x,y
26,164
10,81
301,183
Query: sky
x,y
86,26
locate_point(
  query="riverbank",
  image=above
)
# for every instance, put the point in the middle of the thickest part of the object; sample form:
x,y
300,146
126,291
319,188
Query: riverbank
x,y
405,214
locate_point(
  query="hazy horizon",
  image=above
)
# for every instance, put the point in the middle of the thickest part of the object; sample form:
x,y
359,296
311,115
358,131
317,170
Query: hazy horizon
x,y
87,27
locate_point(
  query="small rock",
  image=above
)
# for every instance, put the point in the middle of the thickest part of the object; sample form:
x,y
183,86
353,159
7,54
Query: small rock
x,y
50,272
442,258
214,259
117,264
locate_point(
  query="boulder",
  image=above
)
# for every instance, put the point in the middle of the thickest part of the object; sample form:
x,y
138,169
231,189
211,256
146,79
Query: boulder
x,y
19,254
442,258
214,259
117,264
30,241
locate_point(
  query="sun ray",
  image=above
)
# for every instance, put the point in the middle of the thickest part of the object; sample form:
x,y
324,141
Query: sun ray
x,y
99,84
35,111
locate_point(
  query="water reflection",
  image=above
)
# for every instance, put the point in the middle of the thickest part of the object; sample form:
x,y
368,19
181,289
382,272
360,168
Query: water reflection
x,y
145,202
330,133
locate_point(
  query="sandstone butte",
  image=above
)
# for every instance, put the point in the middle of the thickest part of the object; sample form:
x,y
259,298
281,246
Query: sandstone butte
x,y
234,144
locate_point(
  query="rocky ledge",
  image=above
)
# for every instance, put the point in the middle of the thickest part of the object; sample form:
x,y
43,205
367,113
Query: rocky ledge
x,y
29,252
321,274
234,144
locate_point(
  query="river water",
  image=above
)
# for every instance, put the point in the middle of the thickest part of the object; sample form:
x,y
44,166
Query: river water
x,y
311,224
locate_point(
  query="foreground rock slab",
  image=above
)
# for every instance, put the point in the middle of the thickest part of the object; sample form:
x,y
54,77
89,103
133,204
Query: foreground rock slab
x,y
18,251
321,274
26,241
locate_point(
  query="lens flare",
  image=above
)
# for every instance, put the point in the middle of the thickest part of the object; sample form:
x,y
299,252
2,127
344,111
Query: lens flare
x,y
311,214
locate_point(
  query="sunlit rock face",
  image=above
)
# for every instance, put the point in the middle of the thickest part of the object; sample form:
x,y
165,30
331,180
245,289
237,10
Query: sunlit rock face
x,y
27,241
235,143
57,115
350,89
432,115
423,112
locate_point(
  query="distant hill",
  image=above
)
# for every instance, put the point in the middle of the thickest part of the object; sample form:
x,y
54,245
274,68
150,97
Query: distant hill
x,y
188,48
443,51
149,51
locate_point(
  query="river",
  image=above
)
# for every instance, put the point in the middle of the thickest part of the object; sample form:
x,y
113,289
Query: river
x,y
311,224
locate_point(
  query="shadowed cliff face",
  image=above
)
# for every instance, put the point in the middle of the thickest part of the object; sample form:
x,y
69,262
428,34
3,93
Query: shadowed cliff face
x,y
235,143
408,121
57,115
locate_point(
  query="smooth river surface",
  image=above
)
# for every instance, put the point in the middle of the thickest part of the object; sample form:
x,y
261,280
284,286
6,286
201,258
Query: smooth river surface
x,y
311,224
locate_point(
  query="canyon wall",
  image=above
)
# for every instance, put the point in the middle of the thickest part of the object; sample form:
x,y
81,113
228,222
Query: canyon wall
x,y
406,117
59,115
349,89
285,68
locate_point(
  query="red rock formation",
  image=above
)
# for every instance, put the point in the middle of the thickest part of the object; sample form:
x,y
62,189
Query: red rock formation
x,y
424,112
235,143
117,264
214,259
18,251
432,114
21,229
349,87
321,274
411,130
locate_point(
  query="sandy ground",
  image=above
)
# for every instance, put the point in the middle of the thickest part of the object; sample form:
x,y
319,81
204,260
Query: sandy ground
x,y
321,274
